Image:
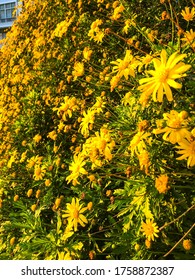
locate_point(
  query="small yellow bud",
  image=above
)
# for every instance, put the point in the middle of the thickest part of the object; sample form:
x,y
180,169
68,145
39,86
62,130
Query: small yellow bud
x,y
91,255
47,182
12,241
108,193
16,197
38,193
90,205
148,243
50,168
187,244
57,203
29,192
33,207
137,247
91,178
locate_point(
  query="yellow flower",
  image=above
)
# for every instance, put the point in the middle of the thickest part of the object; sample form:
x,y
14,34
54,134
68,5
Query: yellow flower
x,y
88,119
187,244
148,243
164,75
57,202
12,241
117,12
189,38
78,70
74,214
90,205
29,192
16,197
187,14
125,67
39,172
144,161
150,229
37,138
66,109
114,82
33,207
53,135
145,61
95,33
76,169
99,147
87,52
161,183
137,144
187,151
47,182
176,129
33,160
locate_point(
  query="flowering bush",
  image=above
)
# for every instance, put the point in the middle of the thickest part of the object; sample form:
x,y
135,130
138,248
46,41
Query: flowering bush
x,y
97,126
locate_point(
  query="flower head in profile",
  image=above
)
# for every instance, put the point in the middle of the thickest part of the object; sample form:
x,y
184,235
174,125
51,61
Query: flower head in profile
x,y
189,38
150,229
187,14
163,77
74,214
76,169
176,127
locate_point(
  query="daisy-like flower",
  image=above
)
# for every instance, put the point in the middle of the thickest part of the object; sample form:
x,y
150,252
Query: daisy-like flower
x,y
189,38
76,169
125,67
150,229
78,70
74,214
138,143
187,151
39,172
176,128
87,122
163,77
187,14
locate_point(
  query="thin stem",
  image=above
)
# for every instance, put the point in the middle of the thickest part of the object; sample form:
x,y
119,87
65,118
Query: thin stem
x,y
179,241
172,33
167,224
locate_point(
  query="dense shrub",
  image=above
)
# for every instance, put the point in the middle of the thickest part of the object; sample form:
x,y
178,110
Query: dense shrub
x,y
97,128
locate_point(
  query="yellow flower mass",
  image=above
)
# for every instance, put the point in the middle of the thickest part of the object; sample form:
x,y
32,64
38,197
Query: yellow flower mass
x,y
164,75
74,214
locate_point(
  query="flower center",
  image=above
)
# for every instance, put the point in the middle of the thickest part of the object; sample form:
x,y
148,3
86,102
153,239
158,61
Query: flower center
x,y
163,75
76,214
149,230
175,124
38,172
